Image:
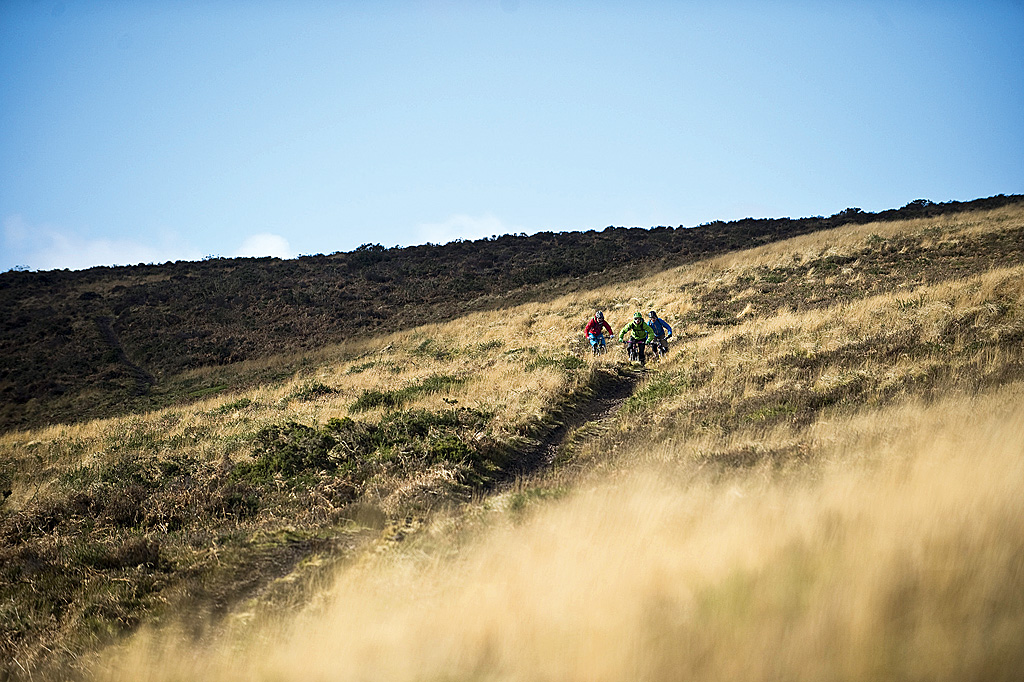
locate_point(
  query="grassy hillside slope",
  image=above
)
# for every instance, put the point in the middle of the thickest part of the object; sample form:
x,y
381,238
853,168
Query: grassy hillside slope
x,y
822,480
109,341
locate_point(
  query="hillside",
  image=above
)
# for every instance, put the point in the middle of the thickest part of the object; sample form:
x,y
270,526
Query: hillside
x,y
106,341
824,474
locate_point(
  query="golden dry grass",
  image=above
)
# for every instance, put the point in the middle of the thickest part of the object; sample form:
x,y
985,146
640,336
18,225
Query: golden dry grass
x,y
911,568
489,351
852,238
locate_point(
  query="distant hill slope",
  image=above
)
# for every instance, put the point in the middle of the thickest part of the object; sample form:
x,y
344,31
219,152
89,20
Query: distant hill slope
x,y
97,342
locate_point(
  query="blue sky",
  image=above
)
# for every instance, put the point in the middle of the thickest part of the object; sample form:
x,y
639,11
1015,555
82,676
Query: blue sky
x,y
146,131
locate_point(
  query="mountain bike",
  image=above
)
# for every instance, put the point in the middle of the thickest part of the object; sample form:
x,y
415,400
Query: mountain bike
x,y
597,343
633,350
658,348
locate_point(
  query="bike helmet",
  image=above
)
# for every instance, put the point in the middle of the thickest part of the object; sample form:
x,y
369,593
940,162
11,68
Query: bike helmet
x,y
599,315
653,315
637,316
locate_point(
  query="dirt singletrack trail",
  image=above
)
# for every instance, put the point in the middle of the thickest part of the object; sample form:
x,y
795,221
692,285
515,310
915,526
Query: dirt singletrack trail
x,y
612,386
259,584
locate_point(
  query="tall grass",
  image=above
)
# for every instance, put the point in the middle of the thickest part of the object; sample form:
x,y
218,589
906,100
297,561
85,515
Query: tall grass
x,y
897,554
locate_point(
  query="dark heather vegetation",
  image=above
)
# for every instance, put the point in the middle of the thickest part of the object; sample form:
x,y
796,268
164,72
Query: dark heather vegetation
x,y
104,341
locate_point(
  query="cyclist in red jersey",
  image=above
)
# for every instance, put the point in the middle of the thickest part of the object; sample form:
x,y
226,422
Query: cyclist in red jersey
x,y
595,331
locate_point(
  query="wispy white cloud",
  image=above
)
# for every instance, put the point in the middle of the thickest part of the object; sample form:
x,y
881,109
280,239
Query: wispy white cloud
x,y
461,226
46,247
259,245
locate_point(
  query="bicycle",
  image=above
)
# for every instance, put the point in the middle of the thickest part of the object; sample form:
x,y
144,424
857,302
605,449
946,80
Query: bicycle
x,y
633,351
597,344
659,349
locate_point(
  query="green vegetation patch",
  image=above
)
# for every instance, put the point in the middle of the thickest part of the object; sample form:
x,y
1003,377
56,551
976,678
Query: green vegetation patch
x,y
235,406
372,398
288,449
522,500
311,391
661,387
488,346
362,367
209,390
357,450
391,400
564,361
430,348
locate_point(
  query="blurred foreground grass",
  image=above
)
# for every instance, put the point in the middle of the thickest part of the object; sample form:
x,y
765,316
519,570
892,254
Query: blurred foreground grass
x,y
897,554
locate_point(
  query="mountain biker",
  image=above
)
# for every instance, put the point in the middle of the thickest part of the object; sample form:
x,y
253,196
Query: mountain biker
x,y
639,334
595,331
662,332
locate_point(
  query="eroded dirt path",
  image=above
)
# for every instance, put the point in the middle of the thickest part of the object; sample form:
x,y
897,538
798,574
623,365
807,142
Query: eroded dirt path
x,y
143,379
612,386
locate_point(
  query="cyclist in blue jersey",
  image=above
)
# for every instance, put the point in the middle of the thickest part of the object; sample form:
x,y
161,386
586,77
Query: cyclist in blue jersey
x,y
661,328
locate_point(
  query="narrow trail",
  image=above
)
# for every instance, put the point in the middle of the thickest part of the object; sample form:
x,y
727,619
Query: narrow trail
x,y
143,379
612,386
